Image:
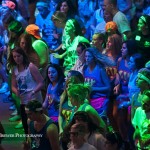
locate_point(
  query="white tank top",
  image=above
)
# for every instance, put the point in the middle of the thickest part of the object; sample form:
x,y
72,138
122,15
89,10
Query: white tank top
x,y
26,84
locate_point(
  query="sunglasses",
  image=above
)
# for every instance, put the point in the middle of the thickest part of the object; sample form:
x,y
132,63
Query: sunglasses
x,y
74,133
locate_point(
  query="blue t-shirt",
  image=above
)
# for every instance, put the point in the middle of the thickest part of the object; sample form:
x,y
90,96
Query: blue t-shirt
x,y
124,74
94,77
53,106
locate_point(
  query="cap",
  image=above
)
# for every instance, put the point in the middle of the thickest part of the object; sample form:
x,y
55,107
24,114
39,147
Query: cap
x,y
111,26
15,26
42,4
33,30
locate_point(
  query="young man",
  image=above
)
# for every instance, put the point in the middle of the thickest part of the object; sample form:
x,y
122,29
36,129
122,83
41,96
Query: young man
x,y
118,17
42,131
77,135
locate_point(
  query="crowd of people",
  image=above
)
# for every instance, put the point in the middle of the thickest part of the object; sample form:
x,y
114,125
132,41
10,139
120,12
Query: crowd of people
x,y
77,72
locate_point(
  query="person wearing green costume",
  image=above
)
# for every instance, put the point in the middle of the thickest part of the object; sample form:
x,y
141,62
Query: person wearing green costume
x,y
73,34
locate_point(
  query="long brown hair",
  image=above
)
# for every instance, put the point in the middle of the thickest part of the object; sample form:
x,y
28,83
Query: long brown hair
x,y
11,61
28,41
117,44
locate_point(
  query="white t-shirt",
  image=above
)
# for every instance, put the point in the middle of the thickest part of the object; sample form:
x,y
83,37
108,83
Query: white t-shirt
x,y
122,22
139,118
85,146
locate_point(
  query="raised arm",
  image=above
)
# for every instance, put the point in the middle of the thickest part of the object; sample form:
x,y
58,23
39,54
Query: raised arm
x,y
60,56
42,50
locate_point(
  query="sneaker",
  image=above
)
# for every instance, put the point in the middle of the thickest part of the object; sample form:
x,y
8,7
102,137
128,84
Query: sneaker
x,y
12,107
14,113
10,98
6,97
15,118
19,125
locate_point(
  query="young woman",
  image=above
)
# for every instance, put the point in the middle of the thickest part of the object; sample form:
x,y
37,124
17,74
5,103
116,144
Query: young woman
x,y
142,36
95,74
121,90
26,81
135,63
25,42
54,90
98,41
73,36
121,111
66,107
113,51
15,30
141,122
81,49
79,97
59,19
67,7
113,46
143,82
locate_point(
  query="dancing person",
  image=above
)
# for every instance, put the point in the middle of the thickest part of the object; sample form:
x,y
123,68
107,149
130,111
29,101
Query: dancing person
x,y
54,90
26,81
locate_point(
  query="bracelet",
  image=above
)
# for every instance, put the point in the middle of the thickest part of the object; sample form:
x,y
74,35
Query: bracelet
x,y
33,92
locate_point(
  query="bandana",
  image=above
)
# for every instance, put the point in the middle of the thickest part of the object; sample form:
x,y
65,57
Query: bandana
x,y
37,109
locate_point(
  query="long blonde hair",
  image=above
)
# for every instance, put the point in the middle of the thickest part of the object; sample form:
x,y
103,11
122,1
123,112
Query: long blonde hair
x,y
116,44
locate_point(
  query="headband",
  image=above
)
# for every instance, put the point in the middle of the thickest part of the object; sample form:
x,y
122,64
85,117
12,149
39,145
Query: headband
x,y
41,4
37,109
143,18
144,78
